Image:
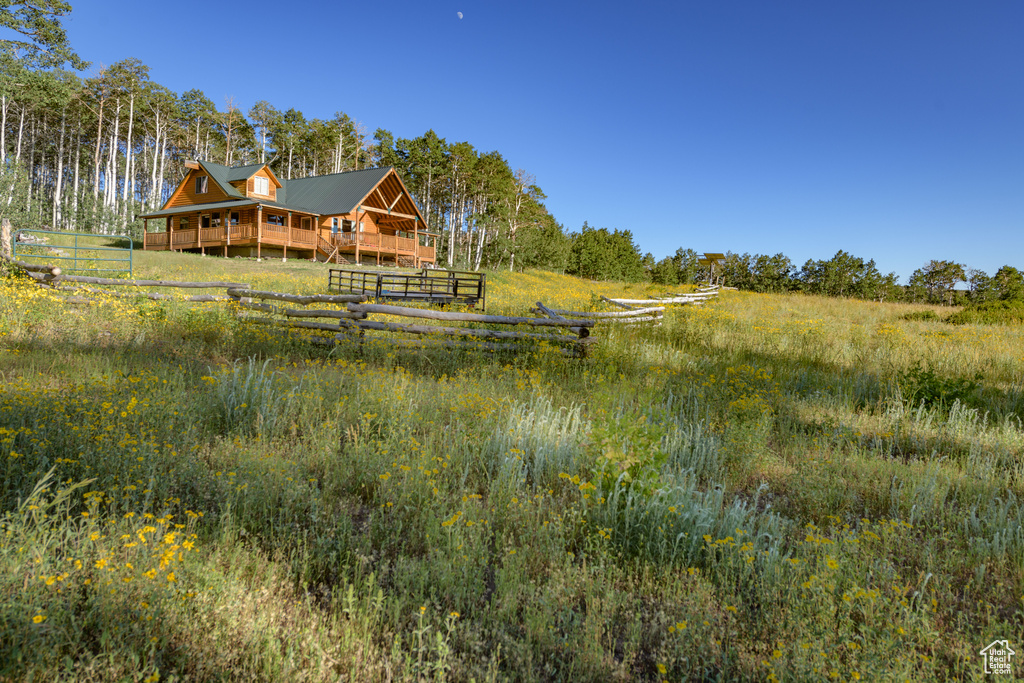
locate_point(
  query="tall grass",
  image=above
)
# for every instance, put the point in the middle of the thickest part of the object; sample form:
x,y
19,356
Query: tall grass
x,y
757,489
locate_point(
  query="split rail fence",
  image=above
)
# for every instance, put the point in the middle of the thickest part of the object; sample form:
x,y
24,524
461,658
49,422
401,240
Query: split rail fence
x,y
350,324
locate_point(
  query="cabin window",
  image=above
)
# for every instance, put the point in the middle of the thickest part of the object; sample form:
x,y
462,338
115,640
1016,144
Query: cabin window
x,y
346,226
360,226
234,218
334,226
183,223
202,184
305,224
216,219
275,220
261,185
204,220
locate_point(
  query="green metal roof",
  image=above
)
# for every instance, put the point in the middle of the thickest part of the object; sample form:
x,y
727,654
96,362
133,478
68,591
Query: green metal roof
x,y
215,206
236,173
326,195
334,194
222,176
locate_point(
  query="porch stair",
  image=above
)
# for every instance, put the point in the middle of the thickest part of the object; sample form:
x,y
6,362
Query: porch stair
x,y
325,251
406,261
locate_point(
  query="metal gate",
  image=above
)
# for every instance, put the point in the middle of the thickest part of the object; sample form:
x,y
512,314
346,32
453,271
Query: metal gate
x,y
75,252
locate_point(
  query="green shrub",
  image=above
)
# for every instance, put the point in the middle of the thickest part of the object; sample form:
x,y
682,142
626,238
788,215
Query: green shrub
x,y
922,385
922,316
990,313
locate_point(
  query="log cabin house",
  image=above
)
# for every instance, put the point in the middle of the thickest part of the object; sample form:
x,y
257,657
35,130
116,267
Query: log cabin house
x,y
361,217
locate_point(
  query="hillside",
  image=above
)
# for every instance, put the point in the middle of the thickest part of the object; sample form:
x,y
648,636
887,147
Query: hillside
x,y
766,487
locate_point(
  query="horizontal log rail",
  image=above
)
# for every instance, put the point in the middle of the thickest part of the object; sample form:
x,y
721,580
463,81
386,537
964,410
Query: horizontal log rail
x,y
432,314
243,291
300,312
463,331
607,314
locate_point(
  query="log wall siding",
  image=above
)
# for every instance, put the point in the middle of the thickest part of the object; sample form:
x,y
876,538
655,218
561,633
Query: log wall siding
x,y
186,192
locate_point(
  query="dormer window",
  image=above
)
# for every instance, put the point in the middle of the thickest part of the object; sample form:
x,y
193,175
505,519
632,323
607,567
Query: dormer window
x,y
261,185
202,184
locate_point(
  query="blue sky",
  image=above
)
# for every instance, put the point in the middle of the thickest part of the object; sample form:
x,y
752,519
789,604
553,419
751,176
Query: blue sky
x,y
893,130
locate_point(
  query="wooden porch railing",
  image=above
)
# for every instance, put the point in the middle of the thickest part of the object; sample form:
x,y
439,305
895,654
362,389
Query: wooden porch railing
x,y
184,236
275,233
243,231
300,236
372,240
282,235
156,239
211,234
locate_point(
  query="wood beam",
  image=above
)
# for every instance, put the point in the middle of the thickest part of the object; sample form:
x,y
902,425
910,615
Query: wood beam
x,y
385,211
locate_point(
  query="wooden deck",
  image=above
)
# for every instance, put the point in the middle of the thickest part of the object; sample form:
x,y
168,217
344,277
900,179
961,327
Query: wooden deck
x,y
300,239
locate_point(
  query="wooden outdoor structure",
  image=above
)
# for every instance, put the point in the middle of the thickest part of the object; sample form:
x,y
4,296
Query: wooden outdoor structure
x,y
352,217
459,329
441,287
709,260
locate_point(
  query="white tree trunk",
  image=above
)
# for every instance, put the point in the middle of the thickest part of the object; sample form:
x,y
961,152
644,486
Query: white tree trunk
x,y
129,177
160,180
21,131
4,103
78,161
110,181
59,180
96,156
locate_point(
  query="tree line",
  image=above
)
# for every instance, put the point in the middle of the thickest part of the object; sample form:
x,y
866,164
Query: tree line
x,y
845,275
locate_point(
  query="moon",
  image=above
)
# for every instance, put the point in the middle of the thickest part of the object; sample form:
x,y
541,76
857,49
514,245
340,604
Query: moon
x,y
460,14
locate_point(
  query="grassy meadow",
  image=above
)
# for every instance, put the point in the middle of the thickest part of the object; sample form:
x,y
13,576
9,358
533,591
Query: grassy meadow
x,y
769,487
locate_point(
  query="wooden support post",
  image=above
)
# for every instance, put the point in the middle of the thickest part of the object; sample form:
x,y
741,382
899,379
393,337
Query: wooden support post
x,y
259,230
358,235
170,233
416,242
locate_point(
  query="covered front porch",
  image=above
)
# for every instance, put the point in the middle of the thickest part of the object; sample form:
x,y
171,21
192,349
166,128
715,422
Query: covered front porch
x,y
225,229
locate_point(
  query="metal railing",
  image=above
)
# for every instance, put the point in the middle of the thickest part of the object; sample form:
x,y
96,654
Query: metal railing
x,y
434,286
73,250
